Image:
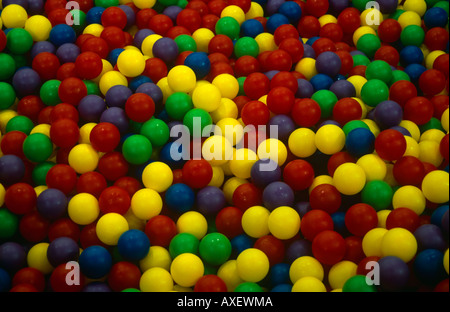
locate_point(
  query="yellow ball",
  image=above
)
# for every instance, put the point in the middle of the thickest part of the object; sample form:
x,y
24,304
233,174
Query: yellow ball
x,y
207,97
6,116
106,68
230,186
83,208
409,18
157,176
418,6
273,149
37,258
330,139
110,227
411,197
435,186
340,273
266,42
327,19
412,128
305,266
14,16
39,27
217,150
252,265
256,10
186,269
432,135
431,57
231,129
83,158
255,221
372,126
144,4
202,37
227,109
131,63
156,280
284,222
349,179
235,12
39,189
307,67
429,151
445,261
399,242
148,43
445,120
361,31
372,18
374,167
85,132
44,129
229,274
242,163
2,194
371,243
302,142
412,147
382,217
194,223
157,257
309,284
163,84
319,180
358,82
218,177
93,29
111,79
227,84
181,79
146,203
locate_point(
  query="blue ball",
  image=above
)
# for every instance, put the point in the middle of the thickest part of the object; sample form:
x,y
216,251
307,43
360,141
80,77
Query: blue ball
x,y
291,10
414,71
136,82
94,15
435,17
252,28
241,243
275,21
61,34
428,266
436,216
283,288
359,142
339,222
279,274
173,154
321,82
114,55
133,245
5,281
411,55
95,262
180,198
199,63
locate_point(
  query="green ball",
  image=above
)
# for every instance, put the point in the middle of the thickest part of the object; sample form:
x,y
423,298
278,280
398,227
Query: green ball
x,y
49,92
215,248
241,81
7,66
9,223
19,41
40,171
397,14
398,75
106,3
228,26
246,46
157,131
183,243
354,124
79,16
196,120
360,4
137,149
20,123
127,290
431,3
433,123
377,194
37,147
443,5
379,70
357,283
326,100
374,92
412,35
92,87
7,95
185,43
248,287
177,105
368,44
359,59
182,3
168,2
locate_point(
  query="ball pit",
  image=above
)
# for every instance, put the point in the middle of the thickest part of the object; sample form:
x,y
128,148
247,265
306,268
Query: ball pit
x,y
314,139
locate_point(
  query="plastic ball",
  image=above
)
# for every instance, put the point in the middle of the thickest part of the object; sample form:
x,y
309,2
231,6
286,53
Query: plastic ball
x,y
330,139
37,258
340,273
37,147
186,269
52,204
434,186
192,222
83,208
156,279
405,244
284,222
358,283
83,158
215,248
252,265
308,284
302,142
110,227
14,16
95,262
349,178
328,247
62,250
428,266
133,245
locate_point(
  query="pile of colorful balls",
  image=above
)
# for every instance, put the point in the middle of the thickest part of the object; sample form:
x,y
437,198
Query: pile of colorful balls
x,y
224,146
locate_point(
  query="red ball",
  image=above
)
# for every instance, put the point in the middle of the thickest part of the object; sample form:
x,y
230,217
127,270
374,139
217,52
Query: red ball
x,y
246,65
317,8
114,16
361,218
64,228
272,247
160,24
176,31
444,147
442,286
328,247
114,37
403,218
143,17
51,5
409,170
389,31
140,107
325,197
189,18
92,183
432,82
364,266
114,199
29,276
354,251
245,5
20,198
247,195
33,227
284,32
197,173
419,110
64,133
359,70
255,113
155,69
22,288
332,31
88,236
346,62
198,5
298,174
2,40
30,106
256,85
66,70
284,79
210,283
216,6
104,137
228,222
12,143
129,184
388,54
46,64
338,159
219,68
280,100
323,45
314,222
390,145
58,280
63,111
62,177
347,109
209,21
309,26
402,91
436,38
442,63
113,166
349,20
98,45
160,230
72,90
88,65
124,275
279,60
294,48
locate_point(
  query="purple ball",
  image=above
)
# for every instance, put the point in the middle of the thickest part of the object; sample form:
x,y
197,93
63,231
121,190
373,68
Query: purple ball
x,y
388,6
62,250
96,287
429,236
356,52
402,130
153,91
42,46
117,117
117,96
278,194
388,114
265,172
394,273
22,3
302,207
12,256
131,16
172,12
445,222
328,63
35,7
308,51
68,52
284,125
140,35
210,200
26,81
297,249
166,49
337,6
52,204
305,89
343,89
91,107
12,169
273,6
270,74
